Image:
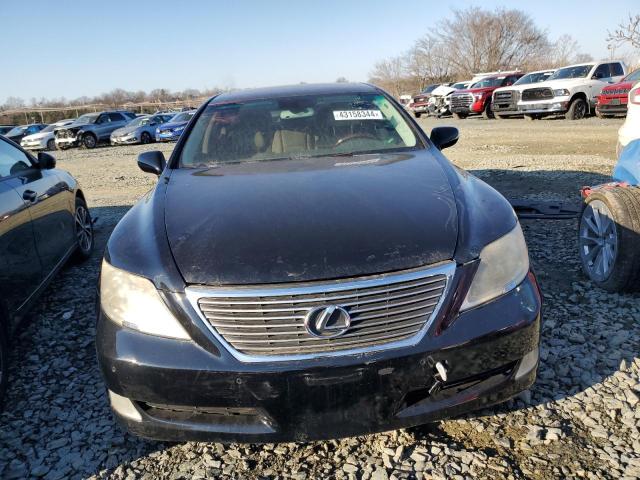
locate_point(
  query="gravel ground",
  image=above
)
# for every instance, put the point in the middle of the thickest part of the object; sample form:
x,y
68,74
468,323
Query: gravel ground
x,y
580,419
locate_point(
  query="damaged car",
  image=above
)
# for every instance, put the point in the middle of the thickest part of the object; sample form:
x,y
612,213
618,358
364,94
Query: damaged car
x,y
308,266
91,129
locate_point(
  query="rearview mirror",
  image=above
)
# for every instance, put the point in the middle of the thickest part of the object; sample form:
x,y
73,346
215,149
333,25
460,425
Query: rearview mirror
x,y
152,162
444,137
46,161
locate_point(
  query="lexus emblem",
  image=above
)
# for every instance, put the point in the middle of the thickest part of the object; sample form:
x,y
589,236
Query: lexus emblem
x,y
328,321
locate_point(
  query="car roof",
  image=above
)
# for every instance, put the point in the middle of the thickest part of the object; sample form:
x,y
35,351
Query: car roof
x,y
543,70
293,91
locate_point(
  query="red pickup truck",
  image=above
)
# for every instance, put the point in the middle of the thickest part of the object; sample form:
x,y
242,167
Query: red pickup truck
x,y
613,98
476,100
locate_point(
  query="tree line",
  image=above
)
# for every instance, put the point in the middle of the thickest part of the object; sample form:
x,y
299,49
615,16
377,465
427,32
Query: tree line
x,y
475,40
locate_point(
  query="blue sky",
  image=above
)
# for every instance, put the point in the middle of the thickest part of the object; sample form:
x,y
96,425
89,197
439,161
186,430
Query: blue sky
x,y
74,48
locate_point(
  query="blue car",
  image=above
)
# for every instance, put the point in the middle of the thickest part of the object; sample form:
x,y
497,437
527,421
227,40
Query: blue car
x,y
139,130
609,229
171,131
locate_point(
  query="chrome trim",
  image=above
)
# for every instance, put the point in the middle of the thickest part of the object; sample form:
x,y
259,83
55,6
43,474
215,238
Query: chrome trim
x,y
196,292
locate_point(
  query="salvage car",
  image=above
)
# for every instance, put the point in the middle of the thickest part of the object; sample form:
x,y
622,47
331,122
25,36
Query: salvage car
x,y
420,103
477,100
612,101
44,221
505,99
309,265
571,91
140,130
16,134
45,138
171,131
91,129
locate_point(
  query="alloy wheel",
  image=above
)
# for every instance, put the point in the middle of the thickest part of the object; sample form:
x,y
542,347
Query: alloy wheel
x,y
598,240
84,229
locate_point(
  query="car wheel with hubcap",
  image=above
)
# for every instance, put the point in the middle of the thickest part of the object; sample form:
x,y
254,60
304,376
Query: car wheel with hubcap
x,y
487,113
608,238
51,145
145,138
577,109
89,140
83,230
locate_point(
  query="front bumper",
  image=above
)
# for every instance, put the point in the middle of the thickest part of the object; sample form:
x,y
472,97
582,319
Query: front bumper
x,y
555,107
124,140
176,390
67,142
33,145
167,137
611,108
421,108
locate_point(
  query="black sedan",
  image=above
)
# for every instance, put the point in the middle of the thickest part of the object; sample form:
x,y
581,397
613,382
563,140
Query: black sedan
x,y
44,221
311,266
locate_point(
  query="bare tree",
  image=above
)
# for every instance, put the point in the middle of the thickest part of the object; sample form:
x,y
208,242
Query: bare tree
x,y
480,40
627,32
429,61
389,75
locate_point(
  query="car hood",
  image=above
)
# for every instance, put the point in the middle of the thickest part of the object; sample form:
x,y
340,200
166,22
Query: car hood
x,y
38,136
560,83
168,126
475,90
124,131
617,87
311,219
442,91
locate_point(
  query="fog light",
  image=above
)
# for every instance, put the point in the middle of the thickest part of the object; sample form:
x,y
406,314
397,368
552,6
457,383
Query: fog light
x,y
528,363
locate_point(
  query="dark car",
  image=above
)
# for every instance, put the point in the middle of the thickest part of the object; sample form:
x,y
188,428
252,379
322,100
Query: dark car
x,y
311,266
16,134
171,131
91,129
44,221
140,130
6,128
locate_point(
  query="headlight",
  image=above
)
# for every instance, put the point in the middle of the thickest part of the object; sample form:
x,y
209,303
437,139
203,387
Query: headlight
x,y
134,302
562,92
504,263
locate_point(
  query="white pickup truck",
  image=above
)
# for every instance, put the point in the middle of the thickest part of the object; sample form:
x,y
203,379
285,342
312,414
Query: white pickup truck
x,y
571,91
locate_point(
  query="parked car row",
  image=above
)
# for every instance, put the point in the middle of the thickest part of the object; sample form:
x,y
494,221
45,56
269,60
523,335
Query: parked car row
x,y
575,92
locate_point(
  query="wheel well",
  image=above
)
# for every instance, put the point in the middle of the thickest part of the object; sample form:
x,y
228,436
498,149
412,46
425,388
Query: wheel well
x,y
80,195
583,96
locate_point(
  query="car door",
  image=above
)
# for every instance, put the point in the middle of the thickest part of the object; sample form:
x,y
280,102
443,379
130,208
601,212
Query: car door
x,y
599,79
103,127
51,204
20,267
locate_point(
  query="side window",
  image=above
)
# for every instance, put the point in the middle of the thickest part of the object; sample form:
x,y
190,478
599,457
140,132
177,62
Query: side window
x,y
510,80
116,117
12,160
104,118
602,71
616,69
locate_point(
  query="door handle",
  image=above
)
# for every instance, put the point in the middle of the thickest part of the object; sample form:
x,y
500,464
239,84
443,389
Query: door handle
x,y
29,196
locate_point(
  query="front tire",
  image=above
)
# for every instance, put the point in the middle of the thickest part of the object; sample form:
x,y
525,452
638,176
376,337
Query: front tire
x,y
89,140
51,145
417,114
577,109
83,231
487,113
145,138
459,116
608,238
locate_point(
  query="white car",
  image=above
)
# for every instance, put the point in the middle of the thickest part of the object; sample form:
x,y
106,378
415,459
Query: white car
x,y
505,99
630,129
571,91
44,139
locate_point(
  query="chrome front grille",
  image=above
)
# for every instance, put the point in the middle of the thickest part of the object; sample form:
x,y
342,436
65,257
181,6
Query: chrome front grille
x,y
505,96
266,323
537,94
461,100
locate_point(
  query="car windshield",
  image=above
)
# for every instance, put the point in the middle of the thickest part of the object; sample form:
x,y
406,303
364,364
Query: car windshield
x,y
579,71
488,82
297,127
87,118
139,122
182,117
536,77
49,128
459,86
17,130
429,88
633,77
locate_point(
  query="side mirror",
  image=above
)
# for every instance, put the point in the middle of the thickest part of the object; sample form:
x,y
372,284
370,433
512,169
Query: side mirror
x,y
46,161
152,162
444,137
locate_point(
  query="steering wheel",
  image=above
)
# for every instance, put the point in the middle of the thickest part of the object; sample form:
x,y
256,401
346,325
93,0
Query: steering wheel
x,y
355,136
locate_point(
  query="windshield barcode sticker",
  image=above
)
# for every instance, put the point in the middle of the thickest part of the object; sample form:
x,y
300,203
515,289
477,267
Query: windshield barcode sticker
x,y
357,115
